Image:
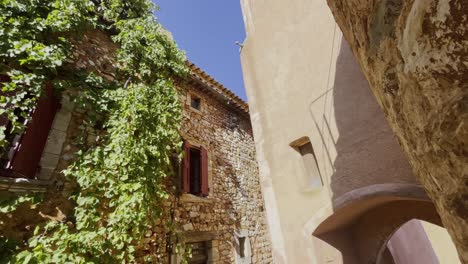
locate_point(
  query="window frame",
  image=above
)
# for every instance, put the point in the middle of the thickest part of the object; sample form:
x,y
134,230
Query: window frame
x,y
209,238
186,175
191,96
205,248
299,145
24,155
196,101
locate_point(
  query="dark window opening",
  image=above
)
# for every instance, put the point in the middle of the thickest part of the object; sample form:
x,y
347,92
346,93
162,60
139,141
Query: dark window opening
x,y
199,253
12,139
242,247
195,103
195,171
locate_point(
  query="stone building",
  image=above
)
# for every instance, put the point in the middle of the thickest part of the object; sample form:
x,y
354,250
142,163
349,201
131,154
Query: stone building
x,y
218,202
338,187
227,214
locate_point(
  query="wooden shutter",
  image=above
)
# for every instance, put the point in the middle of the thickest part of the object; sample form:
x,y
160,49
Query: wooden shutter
x,y
28,152
204,172
186,168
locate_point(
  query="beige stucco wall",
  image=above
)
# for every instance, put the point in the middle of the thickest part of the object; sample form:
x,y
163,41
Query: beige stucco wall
x,y
409,245
302,80
441,243
420,242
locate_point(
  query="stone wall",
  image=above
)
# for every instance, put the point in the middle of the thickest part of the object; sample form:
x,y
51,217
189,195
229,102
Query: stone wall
x,y
234,185
69,133
234,206
413,54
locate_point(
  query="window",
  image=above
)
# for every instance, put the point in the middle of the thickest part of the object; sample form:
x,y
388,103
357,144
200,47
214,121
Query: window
x,y
22,161
199,253
242,247
204,250
195,102
195,170
304,147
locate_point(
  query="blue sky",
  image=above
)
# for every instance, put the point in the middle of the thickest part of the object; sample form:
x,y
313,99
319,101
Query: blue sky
x,y
207,30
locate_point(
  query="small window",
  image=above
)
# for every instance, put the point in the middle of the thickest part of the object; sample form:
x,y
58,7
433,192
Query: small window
x,y
304,147
195,170
199,253
242,247
195,103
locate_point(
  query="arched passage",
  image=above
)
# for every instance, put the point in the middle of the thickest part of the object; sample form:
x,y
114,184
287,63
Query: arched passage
x,y
422,242
364,221
373,230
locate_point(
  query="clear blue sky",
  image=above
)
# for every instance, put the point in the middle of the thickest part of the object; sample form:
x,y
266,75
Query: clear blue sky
x,y
207,31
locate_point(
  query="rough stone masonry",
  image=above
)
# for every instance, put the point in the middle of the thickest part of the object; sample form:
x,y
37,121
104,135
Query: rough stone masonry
x,y
414,55
234,207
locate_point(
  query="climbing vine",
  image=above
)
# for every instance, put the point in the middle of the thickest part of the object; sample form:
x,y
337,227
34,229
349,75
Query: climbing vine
x,y
120,179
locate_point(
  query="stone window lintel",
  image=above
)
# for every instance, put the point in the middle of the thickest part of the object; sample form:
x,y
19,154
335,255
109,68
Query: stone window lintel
x,y
23,185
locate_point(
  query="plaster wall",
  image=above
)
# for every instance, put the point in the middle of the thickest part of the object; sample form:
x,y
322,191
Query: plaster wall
x,y
441,243
302,80
422,242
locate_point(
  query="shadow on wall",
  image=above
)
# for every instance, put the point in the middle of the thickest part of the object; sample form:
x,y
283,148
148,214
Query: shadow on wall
x,y
374,189
367,151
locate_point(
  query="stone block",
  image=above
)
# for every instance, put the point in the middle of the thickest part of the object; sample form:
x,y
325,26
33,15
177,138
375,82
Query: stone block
x,y
67,104
215,243
213,254
49,161
45,174
61,120
55,141
188,227
4,186
194,214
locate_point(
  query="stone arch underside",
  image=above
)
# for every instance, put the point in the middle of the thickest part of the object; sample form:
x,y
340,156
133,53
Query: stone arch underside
x,y
362,224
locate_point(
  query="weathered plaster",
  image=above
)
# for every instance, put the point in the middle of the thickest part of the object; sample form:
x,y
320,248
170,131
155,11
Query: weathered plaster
x,y
418,73
302,79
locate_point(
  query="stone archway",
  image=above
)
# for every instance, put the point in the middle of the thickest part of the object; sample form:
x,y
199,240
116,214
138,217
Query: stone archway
x,y
365,219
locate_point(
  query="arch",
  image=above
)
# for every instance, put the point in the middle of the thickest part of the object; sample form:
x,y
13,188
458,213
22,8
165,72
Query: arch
x,y
422,242
364,220
410,244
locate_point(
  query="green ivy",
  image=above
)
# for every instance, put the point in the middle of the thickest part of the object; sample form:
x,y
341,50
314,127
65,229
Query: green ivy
x,y
9,204
121,179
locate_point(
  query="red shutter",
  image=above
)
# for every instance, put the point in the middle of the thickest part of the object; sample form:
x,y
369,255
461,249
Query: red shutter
x,y
186,168
25,160
204,172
